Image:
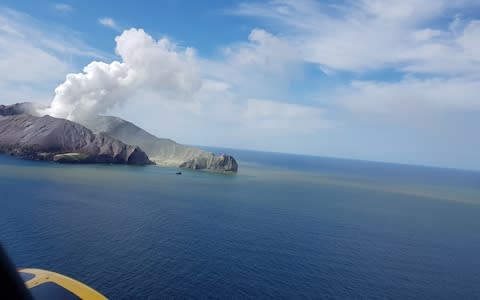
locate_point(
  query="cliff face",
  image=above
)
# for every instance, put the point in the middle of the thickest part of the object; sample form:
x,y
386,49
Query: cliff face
x,y
162,151
49,138
225,163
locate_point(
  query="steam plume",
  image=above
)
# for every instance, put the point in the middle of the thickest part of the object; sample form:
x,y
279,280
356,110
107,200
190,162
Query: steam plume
x,y
145,64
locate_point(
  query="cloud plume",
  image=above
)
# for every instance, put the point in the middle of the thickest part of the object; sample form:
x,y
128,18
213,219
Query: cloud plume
x,y
146,64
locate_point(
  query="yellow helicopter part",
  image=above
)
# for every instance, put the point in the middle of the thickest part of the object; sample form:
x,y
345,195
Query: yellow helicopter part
x,y
45,284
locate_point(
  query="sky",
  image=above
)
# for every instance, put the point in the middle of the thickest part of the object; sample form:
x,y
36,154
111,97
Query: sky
x,y
395,81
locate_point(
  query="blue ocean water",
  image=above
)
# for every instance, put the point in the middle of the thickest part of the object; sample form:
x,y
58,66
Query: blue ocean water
x,y
284,227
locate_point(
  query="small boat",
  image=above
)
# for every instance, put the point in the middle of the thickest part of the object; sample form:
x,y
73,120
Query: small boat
x,y
179,173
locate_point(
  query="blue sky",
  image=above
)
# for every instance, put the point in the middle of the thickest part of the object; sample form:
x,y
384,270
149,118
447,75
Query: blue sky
x,y
377,80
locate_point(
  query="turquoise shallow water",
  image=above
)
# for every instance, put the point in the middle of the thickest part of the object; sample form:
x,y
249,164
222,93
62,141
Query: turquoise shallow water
x,y
284,227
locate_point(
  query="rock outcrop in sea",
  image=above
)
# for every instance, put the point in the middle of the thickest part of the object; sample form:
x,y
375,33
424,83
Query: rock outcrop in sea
x,y
224,162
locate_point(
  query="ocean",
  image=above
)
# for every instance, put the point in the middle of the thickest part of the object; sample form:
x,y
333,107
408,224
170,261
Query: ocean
x,y
285,227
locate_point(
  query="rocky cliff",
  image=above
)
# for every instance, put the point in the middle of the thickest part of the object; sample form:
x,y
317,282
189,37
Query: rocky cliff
x,y
221,162
48,138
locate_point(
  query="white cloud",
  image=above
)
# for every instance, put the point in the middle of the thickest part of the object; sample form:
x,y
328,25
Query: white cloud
x,y
260,67
109,22
284,118
146,64
264,51
253,118
34,57
369,35
54,38
372,35
62,8
412,100
22,61
470,41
